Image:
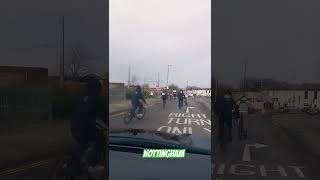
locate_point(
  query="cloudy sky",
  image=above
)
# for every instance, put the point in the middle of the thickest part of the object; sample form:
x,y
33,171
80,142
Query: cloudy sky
x,y
31,32
150,34
279,39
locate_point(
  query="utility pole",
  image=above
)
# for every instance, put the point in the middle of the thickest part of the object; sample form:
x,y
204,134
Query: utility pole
x,y
168,75
62,56
245,77
129,80
158,83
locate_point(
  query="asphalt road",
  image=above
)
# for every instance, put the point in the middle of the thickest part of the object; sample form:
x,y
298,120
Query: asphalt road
x,y
28,171
268,153
157,118
194,119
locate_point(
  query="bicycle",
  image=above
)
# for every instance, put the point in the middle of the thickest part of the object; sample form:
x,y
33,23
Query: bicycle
x,y
224,137
238,122
63,167
134,113
180,104
164,103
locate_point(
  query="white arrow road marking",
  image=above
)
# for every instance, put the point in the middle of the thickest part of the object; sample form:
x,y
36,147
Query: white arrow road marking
x,y
246,152
207,130
187,111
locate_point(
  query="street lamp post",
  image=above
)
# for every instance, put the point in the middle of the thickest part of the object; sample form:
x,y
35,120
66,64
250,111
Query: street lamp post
x,y
168,75
62,56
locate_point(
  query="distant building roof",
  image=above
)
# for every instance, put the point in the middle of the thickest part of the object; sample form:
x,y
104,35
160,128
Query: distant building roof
x,y
20,68
116,82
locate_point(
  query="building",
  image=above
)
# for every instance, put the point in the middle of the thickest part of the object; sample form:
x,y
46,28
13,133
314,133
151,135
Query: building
x,y
29,76
297,98
23,93
201,92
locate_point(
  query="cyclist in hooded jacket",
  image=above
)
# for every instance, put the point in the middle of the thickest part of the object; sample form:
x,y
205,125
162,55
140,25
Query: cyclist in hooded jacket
x,y
87,110
136,98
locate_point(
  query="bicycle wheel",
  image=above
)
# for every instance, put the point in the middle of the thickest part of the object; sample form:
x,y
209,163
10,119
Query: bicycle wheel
x,y
128,117
62,169
224,139
142,114
180,105
241,128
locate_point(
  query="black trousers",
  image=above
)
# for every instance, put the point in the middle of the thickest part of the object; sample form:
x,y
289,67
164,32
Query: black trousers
x,y
221,126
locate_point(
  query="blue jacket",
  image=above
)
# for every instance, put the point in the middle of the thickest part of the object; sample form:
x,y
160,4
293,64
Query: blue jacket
x,y
180,96
136,97
224,109
83,121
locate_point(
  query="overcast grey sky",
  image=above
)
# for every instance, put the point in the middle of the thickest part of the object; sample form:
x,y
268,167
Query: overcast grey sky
x,y
31,32
150,34
280,39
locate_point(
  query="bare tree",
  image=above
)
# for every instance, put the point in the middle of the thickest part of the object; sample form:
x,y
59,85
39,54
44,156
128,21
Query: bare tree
x,y
77,68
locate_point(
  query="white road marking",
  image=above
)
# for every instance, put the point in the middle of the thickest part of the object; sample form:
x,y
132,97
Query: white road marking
x,y
246,152
168,130
207,130
250,170
233,169
187,111
298,171
280,169
177,130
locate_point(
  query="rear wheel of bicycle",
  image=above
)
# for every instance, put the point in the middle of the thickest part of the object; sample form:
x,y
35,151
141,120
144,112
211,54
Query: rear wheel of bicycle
x,y
224,139
128,117
142,114
62,169
180,105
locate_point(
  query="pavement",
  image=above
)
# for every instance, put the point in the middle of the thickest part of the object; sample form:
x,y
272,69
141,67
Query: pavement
x,y
32,145
269,152
29,150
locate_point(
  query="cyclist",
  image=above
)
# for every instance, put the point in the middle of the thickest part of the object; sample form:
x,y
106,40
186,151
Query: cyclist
x,y
164,97
243,112
224,108
186,99
180,98
83,124
136,100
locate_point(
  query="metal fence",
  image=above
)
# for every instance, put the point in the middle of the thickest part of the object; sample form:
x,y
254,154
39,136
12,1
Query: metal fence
x,y
117,95
23,103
